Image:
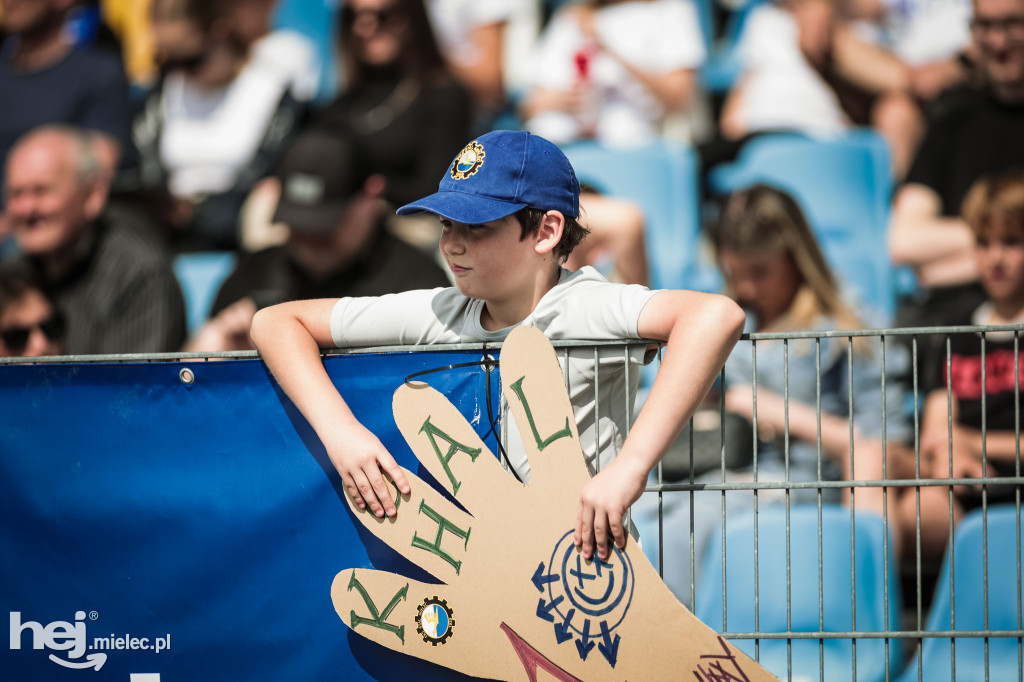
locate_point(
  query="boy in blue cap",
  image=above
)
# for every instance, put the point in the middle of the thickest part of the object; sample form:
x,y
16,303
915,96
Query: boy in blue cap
x,y
508,206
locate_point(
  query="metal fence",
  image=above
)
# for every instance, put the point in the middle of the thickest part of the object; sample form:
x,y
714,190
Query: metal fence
x,y
810,573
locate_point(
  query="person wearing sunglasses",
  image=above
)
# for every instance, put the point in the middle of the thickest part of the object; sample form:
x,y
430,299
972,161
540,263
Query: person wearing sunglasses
x,y
404,107
213,124
30,325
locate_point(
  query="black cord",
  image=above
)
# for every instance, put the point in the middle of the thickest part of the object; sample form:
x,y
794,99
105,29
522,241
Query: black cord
x,y
488,363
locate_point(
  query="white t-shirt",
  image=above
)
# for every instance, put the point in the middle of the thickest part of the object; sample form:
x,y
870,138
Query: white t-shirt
x,y
781,90
923,31
657,36
582,306
210,135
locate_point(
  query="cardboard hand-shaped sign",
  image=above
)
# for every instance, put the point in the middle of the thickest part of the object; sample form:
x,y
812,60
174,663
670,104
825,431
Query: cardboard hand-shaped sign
x,y
517,597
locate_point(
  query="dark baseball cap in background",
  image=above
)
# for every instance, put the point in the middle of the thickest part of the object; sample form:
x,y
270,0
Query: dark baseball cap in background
x,y
320,173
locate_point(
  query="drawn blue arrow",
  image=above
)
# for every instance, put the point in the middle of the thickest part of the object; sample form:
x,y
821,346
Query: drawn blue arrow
x,y
583,644
544,609
562,631
540,580
609,647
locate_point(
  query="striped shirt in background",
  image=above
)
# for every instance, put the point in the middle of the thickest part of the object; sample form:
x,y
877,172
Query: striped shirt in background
x,y
121,295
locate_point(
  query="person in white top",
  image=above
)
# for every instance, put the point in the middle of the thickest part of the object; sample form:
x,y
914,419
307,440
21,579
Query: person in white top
x,y
613,69
225,104
508,206
471,34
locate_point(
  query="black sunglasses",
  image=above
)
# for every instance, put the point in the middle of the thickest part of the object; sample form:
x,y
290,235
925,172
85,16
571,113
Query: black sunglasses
x,y
1012,25
384,17
16,338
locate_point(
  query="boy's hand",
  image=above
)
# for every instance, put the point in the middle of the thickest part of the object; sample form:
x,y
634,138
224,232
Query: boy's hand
x,y
603,504
362,460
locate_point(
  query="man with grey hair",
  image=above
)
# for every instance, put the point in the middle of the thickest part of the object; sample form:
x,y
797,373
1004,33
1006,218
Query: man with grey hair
x,y
112,281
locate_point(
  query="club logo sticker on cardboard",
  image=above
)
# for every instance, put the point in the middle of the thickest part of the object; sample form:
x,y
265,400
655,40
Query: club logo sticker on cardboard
x,y
435,621
469,161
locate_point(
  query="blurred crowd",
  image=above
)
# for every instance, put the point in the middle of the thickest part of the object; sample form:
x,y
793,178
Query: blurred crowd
x,y
135,131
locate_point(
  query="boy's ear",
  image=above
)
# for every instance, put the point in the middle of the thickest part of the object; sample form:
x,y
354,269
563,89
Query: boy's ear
x,y
550,232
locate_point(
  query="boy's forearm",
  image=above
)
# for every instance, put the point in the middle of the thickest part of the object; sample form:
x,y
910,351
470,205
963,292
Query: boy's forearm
x,y
698,342
292,354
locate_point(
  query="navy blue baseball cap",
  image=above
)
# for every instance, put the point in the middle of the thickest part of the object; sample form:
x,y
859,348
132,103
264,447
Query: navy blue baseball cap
x,y
499,173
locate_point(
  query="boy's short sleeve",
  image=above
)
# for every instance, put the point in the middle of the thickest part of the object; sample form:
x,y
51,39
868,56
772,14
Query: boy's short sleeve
x,y
586,306
405,318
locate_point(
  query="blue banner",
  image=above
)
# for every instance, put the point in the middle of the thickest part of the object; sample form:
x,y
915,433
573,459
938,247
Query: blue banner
x,y
166,530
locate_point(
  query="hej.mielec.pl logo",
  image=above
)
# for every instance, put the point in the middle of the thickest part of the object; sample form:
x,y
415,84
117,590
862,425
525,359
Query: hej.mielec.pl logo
x,y
71,639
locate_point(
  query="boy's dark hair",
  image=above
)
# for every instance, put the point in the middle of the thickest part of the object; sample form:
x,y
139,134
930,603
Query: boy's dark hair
x,y
572,234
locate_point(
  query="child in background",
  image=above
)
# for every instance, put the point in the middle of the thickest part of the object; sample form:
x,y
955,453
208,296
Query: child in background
x,y
508,206
773,266
994,211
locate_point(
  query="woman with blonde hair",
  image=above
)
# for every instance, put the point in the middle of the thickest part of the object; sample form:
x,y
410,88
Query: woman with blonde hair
x,y
773,266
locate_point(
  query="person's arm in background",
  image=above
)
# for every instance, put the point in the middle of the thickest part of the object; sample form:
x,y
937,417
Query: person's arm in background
x,y
289,337
228,330
674,89
967,444
939,249
700,331
803,420
484,76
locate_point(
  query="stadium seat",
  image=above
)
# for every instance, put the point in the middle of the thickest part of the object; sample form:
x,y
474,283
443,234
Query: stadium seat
x,y
315,19
867,581
662,180
723,66
994,658
844,185
200,276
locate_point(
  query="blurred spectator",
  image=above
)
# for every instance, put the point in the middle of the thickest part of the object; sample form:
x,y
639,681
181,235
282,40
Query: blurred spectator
x,y
976,130
216,121
617,241
30,325
45,79
471,36
289,54
932,37
773,266
337,244
994,212
114,286
409,115
806,68
613,69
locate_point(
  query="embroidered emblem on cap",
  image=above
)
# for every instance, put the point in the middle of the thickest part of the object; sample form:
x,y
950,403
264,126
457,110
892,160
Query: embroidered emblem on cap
x,y
468,161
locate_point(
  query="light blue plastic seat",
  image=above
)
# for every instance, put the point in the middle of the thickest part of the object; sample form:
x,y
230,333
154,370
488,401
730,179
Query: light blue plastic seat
x,y
861,587
662,179
968,601
200,275
844,185
724,65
